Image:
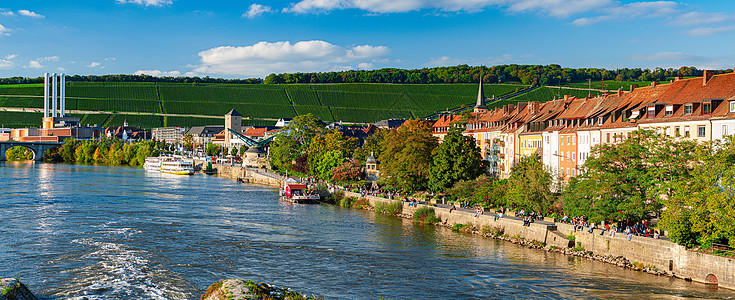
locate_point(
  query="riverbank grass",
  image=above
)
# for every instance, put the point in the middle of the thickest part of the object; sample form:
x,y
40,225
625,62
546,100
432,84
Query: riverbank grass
x,y
392,208
426,215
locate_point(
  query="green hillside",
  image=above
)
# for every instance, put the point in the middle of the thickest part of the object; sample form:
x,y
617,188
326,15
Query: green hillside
x,y
330,102
542,94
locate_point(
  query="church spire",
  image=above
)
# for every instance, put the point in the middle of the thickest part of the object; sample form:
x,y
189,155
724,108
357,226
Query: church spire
x,y
480,105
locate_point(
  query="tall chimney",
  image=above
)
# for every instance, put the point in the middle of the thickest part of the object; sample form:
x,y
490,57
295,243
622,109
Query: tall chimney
x,y
633,86
45,95
63,94
707,75
53,94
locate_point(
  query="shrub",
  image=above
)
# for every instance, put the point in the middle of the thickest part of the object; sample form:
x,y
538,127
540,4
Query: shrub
x,y
392,208
537,243
571,237
361,203
426,215
466,228
579,247
347,202
335,198
493,230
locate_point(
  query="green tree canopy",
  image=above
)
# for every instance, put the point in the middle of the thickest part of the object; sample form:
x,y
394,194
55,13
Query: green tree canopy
x,y
406,155
457,158
529,186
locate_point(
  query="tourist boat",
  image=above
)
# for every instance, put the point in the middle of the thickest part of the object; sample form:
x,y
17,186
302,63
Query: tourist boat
x,y
297,193
177,167
152,164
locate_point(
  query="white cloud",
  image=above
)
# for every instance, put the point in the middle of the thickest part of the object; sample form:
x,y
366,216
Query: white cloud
x,y
11,56
4,31
678,59
256,10
61,69
656,9
34,65
158,73
557,8
365,66
699,18
705,31
48,58
29,13
6,64
147,2
6,12
93,65
443,61
306,56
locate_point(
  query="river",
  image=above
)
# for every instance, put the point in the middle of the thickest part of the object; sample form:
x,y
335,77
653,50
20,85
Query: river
x,y
98,232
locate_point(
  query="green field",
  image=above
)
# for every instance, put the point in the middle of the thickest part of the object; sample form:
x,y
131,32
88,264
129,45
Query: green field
x,y
329,102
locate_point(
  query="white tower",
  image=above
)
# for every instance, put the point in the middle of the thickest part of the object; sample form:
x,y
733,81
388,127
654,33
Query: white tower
x,y
63,94
53,94
45,95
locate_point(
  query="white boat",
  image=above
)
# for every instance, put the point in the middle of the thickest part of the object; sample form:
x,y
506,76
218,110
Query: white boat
x,y
177,166
152,164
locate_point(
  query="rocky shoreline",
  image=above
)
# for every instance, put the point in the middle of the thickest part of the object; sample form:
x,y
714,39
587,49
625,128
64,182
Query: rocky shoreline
x,y
242,289
13,289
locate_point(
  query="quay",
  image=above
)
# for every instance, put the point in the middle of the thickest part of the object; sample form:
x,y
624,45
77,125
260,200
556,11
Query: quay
x,y
661,254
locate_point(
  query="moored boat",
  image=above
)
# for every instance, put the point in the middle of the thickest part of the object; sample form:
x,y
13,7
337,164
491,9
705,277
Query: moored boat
x,y
177,167
152,164
298,193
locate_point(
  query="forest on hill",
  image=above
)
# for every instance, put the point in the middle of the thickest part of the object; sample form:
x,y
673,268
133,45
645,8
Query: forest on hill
x,y
534,75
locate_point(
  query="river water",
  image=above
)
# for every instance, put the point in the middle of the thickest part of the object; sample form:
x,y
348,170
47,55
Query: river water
x,y
96,232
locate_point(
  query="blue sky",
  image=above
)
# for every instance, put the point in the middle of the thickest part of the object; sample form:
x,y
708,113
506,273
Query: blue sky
x,y
242,39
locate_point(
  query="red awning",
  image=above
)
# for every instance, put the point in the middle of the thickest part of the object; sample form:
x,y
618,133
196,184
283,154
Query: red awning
x,y
296,187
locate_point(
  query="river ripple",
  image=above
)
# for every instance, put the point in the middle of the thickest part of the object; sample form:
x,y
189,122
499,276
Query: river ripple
x,y
95,232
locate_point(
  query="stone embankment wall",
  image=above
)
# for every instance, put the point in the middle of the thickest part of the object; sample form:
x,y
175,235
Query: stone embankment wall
x,y
661,254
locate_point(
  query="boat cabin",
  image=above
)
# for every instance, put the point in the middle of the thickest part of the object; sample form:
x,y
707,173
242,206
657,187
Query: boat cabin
x,y
295,190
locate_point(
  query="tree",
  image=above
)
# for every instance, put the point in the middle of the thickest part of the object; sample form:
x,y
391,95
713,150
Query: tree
x,y
457,158
349,171
234,151
213,149
701,210
243,148
529,185
406,155
329,161
188,142
321,145
625,181
293,141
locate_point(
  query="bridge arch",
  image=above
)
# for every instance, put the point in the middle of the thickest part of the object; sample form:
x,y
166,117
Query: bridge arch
x,y
31,149
37,148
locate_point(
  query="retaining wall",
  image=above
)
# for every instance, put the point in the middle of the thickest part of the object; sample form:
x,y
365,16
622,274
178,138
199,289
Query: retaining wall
x,y
662,254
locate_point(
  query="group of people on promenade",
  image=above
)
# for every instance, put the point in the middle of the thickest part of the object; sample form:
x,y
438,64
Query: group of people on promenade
x,y
629,228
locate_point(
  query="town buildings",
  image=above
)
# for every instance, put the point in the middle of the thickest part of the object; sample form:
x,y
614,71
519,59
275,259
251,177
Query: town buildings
x,y
565,131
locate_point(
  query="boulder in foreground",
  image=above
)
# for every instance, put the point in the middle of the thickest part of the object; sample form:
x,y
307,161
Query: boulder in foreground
x,y
12,289
240,289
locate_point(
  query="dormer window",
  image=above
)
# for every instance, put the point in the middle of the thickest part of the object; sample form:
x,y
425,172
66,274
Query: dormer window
x,y
688,109
732,106
669,110
651,112
706,108
599,121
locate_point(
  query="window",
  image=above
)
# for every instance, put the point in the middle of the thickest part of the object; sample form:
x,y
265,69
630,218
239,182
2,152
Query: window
x,y
724,130
651,112
706,108
688,109
574,140
574,156
669,110
686,131
574,172
568,171
732,106
701,130
599,121
676,131
608,137
668,131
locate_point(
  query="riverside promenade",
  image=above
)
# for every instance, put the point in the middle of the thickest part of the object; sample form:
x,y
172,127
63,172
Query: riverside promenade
x,y
656,254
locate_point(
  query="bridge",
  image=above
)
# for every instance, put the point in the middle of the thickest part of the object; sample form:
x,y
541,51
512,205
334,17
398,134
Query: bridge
x,y
36,147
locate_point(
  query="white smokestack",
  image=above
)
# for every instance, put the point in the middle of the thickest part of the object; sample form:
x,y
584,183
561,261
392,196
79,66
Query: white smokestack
x,y
63,94
53,94
45,95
